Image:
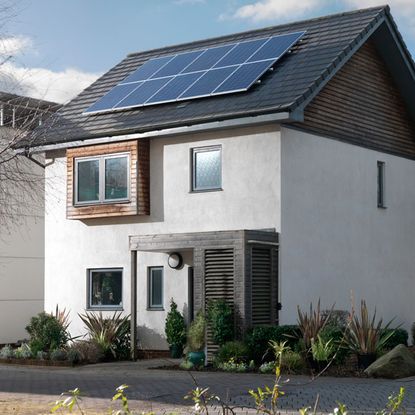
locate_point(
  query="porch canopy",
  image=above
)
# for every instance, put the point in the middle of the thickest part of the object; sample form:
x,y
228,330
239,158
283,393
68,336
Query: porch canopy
x,y
239,266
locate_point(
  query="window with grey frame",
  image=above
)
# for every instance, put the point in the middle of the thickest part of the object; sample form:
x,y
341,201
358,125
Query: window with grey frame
x,y
155,288
381,184
206,168
104,288
102,179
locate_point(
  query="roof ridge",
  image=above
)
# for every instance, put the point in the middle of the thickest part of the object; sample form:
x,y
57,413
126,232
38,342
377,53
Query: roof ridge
x,y
262,29
337,63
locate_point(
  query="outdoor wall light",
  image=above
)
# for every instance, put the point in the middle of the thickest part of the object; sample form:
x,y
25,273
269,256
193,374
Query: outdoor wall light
x,y
175,260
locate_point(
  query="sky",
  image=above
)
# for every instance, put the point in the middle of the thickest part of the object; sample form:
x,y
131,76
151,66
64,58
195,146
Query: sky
x,y
53,49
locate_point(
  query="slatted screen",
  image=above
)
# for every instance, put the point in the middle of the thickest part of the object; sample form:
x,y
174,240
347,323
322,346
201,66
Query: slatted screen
x,y
219,283
261,286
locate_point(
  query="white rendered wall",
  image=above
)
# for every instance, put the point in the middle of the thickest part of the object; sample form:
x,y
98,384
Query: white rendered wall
x,y
334,238
249,200
22,265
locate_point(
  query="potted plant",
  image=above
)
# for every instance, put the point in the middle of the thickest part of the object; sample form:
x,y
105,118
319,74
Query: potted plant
x,y
196,340
175,330
364,337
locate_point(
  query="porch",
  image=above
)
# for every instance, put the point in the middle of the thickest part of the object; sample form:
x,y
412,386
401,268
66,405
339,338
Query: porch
x,y
239,266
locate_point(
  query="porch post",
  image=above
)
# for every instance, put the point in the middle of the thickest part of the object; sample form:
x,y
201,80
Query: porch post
x,y
133,327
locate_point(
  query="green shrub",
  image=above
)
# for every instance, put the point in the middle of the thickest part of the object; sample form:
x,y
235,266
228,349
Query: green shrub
x,y
233,366
336,335
413,333
397,336
46,333
175,327
267,367
23,352
41,355
292,361
322,350
73,356
6,352
258,338
187,365
220,320
196,333
58,355
232,350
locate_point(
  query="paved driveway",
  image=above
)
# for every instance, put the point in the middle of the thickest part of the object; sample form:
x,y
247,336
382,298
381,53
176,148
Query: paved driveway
x,y
30,390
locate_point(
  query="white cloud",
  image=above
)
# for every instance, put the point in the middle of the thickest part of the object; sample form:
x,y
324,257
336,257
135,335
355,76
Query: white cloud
x,y
43,83
275,9
14,45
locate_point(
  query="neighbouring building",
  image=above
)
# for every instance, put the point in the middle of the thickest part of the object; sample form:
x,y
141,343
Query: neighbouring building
x,y
21,218
272,168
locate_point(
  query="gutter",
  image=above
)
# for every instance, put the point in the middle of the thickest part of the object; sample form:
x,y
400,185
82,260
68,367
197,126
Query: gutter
x,y
278,117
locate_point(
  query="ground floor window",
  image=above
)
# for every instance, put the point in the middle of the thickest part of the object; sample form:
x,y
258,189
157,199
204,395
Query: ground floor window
x,y
105,288
155,288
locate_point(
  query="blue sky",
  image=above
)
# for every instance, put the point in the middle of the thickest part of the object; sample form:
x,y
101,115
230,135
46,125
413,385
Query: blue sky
x,y
66,44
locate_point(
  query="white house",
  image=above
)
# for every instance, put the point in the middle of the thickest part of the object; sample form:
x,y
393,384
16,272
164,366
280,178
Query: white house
x,y
21,219
277,163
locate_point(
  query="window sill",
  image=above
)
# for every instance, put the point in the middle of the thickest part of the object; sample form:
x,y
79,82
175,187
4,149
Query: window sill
x,y
382,207
219,189
155,308
106,203
105,308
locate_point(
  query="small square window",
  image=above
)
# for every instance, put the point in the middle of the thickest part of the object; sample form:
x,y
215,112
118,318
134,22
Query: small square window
x,y
155,288
102,179
105,288
207,168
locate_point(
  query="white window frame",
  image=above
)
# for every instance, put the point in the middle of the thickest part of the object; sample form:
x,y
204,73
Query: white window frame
x,y
102,200
90,306
196,150
151,306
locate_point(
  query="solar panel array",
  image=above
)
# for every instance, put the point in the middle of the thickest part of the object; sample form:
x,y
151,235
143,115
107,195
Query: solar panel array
x,y
200,73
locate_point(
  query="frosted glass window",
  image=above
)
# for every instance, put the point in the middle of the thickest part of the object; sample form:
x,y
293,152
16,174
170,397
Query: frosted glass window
x,y
207,168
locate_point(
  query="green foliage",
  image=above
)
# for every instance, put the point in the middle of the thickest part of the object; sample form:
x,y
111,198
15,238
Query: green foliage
x,y
258,338
233,366
110,334
232,350
46,333
6,352
220,320
336,334
395,337
196,333
364,335
186,365
68,400
23,352
58,355
121,396
310,324
322,350
292,361
395,403
175,328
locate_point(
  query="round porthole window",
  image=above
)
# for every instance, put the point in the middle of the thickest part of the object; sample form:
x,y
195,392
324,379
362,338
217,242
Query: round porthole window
x,y
175,260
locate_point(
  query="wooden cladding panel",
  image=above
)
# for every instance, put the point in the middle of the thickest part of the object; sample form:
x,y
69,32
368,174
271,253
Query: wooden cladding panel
x,y
139,202
363,106
261,275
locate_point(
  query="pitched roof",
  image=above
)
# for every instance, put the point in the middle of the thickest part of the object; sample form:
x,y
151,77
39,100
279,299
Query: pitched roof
x,y
327,43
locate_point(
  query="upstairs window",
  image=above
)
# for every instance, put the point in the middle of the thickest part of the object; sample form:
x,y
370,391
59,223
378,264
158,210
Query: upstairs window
x,y
207,168
381,184
102,179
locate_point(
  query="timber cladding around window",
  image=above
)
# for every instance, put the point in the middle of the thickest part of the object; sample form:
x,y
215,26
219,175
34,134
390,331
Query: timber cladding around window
x,y
138,202
363,106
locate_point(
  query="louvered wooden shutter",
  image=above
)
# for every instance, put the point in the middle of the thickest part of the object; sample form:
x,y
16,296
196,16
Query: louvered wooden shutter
x,y
261,286
219,283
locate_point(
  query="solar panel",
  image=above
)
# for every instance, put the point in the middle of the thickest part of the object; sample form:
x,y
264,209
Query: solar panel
x,y
199,73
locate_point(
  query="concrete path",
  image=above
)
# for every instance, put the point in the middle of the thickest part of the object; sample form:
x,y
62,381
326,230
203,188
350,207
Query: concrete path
x,y
31,390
